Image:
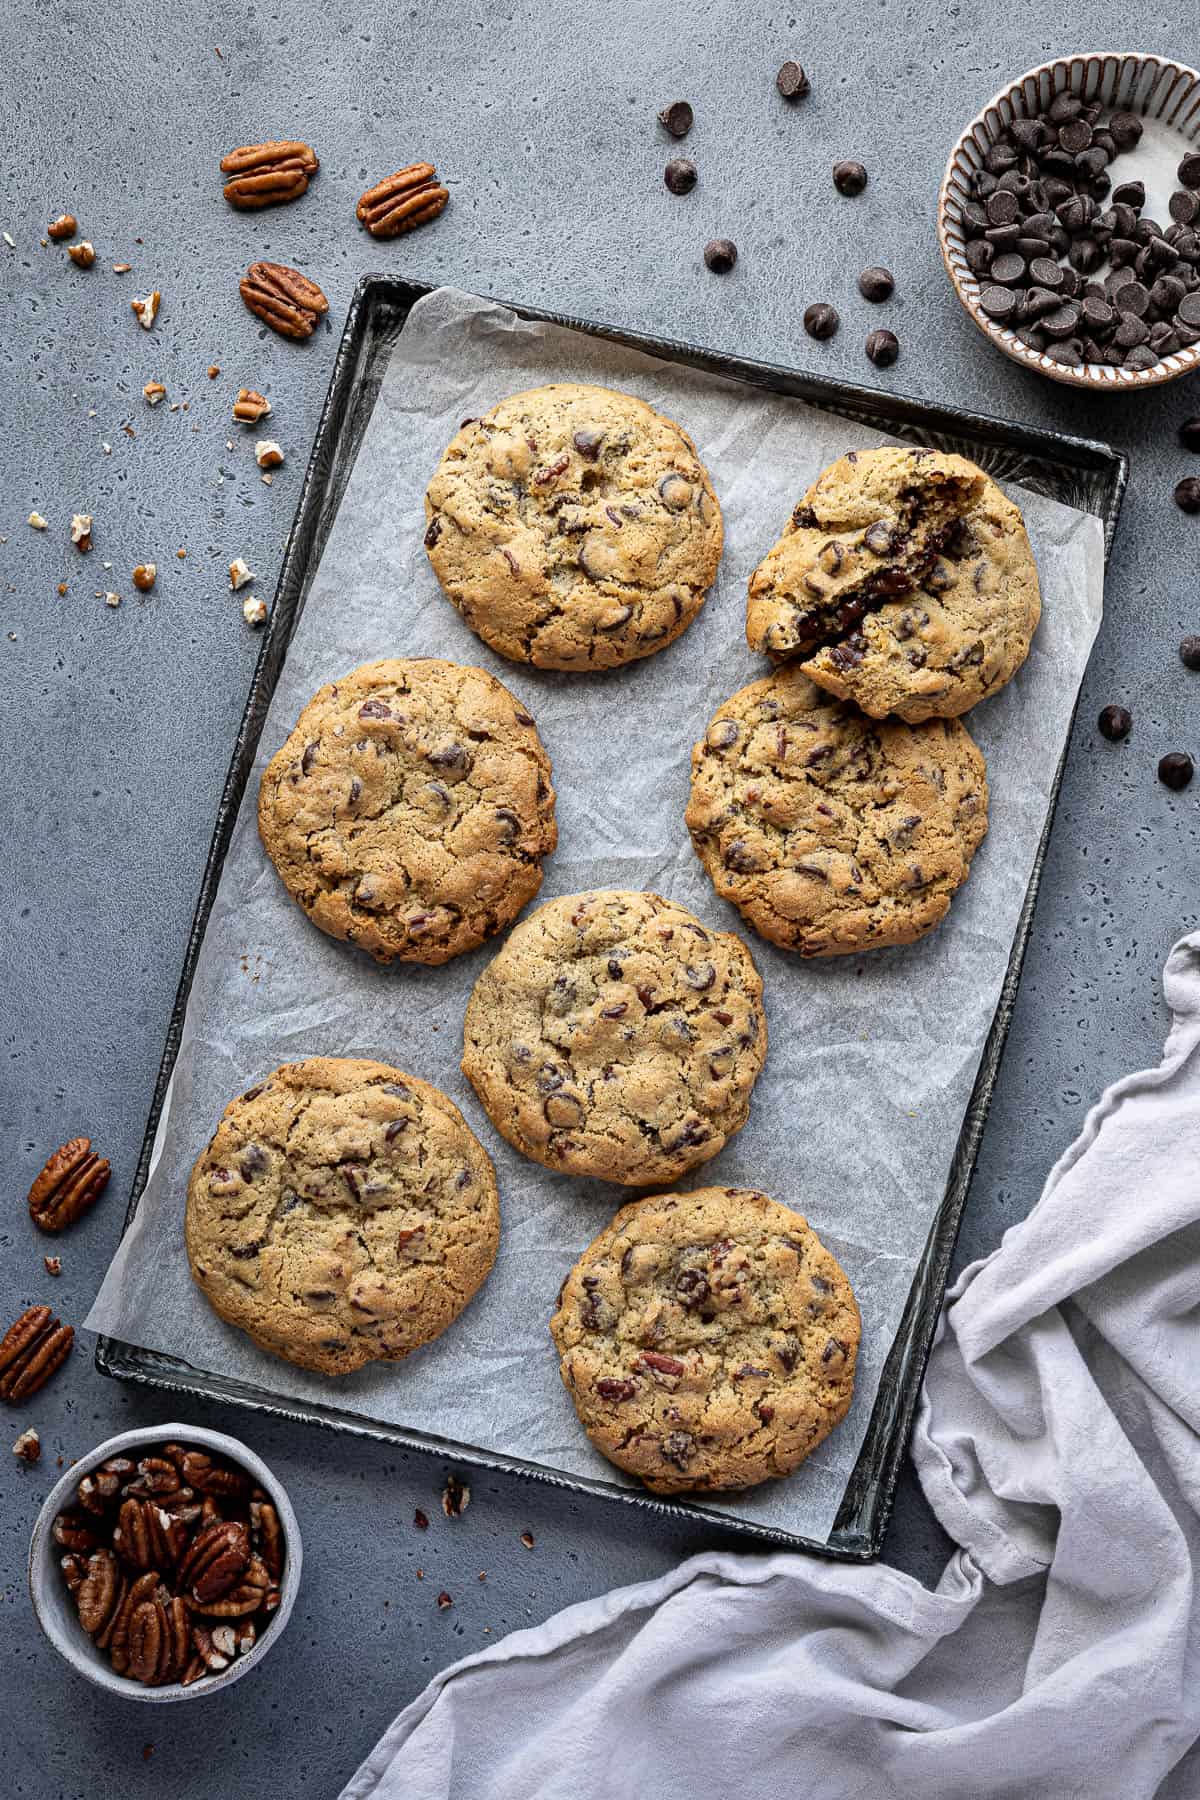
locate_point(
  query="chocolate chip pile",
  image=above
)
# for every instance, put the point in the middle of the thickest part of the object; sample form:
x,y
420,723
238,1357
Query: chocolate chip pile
x,y
1068,261
174,1563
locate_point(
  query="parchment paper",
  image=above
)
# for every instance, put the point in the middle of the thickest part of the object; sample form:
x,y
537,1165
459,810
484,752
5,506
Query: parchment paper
x,y
872,1058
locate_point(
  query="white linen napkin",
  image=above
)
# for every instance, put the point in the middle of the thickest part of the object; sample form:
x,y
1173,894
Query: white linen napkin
x,y
1058,1441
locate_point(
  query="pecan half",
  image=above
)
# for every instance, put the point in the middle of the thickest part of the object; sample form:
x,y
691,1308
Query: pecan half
x,y
268,174
402,201
199,1470
102,1488
31,1351
237,1602
73,1534
72,1180
216,1560
145,1587
146,1537
266,1534
282,298
160,1643
99,1595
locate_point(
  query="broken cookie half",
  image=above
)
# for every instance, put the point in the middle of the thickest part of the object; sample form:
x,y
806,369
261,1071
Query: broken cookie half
x,y
904,582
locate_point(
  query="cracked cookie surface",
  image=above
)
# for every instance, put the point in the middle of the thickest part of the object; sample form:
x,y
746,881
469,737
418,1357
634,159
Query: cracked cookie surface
x,y
343,1213
708,1340
573,527
410,808
904,581
615,1035
829,831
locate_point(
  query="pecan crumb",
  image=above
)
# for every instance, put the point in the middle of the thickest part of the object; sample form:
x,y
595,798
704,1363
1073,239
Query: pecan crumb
x,y
37,521
65,226
250,407
81,530
53,1265
146,310
62,587
239,574
254,611
28,1446
420,1520
267,453
527,1539
456,1497
82,254
153,392
122,268
444,1600
144,577
113,600
214,369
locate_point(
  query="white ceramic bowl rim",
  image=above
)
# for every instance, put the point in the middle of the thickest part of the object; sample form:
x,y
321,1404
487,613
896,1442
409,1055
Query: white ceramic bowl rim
x,y
1143,82
54,1607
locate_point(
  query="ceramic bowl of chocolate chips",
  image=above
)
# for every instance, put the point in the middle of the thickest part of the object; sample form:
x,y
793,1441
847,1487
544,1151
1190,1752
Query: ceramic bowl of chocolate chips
x,y
1069,220
164,1565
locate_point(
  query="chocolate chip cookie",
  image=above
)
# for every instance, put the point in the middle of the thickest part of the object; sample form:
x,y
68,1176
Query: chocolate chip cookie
x,y
573,527
832,832
904,582
708,1340
410,809
616,1036
342,1214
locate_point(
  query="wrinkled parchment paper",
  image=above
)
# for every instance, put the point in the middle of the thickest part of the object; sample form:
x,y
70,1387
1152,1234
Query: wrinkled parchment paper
x,y
872,1058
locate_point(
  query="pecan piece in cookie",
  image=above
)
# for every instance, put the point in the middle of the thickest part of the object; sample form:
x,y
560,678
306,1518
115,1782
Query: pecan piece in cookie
x,y
268,174
72,1180
401,202
282,298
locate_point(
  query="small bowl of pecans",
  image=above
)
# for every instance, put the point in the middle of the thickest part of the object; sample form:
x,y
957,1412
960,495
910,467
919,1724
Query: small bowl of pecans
x,y
164,1565
1069,220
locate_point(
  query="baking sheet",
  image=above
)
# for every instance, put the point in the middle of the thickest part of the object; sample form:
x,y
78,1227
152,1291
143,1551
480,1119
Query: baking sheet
x,y
857,1113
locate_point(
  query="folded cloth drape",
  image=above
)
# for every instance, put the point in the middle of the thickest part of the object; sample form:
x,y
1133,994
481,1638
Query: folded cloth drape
x,y
1058,1442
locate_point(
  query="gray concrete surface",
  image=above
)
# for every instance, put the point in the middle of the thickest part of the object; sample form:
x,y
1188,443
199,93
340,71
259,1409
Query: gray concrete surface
x,y
117,725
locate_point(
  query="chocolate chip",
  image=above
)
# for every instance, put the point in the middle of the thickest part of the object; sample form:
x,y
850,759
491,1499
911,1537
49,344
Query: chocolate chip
x,y
1188,172
1125,129
1114,723
883,347
1187,494
720,254
1184,206
876,284
691,1288
999,303
1063,321
1189,309
433,531
1075,136
878,537
1008,270
1064,107
374,709
979,254
1046,273
677,118
588,445
1140,357
1176,768
1130,332
1132,298
850,178
1002,207
791,81
680,175
820,320
1189,651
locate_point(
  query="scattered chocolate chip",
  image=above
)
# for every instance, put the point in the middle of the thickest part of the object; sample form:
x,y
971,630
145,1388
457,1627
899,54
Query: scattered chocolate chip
x,y
820,320
883,347
677,118
680,175
1189,651
850,178
720,254
1114,723
876,284
1187,494
791,81
1176,768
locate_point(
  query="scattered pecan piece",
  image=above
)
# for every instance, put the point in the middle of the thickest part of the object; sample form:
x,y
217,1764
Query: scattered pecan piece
x,y
65,226
401,202
456,1497
282,298
75,1177
81,531
444,1601
250,407
527,1539
32,1349
54,1263
144,577
83,254
153,392
28,1446
146,310
268,174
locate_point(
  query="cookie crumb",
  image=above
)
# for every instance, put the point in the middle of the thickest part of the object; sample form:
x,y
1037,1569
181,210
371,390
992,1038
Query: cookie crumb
x,y
146,310
254,611
239,574
81,531
37,521
267,454
28,1446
